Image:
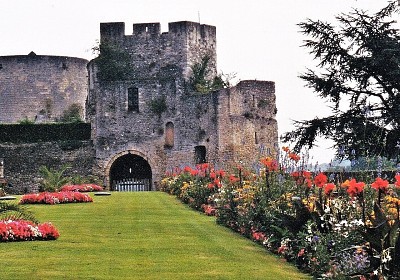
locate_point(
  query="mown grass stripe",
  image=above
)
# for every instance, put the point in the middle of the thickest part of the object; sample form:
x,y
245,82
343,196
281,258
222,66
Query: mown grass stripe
x,y
147,235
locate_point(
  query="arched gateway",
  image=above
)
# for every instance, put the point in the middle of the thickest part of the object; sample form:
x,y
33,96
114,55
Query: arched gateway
x,y
130,172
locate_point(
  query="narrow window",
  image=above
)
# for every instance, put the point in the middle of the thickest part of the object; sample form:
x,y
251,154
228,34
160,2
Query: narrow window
x,y
200,154
255,137
169,135
133,100
1,66
64,66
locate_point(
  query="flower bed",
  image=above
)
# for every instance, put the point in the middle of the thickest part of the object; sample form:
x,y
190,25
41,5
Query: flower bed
x,y
55,198
81,188
21,230
329,227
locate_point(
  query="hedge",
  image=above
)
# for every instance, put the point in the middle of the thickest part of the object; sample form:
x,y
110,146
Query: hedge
x,y
32,133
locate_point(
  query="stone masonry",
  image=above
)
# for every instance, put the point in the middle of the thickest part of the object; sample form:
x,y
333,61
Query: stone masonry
x,y
130,139
222,127
37,86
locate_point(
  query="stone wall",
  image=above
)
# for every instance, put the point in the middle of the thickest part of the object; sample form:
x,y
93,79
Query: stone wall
x,y
36,86
230,125
153,53
22,161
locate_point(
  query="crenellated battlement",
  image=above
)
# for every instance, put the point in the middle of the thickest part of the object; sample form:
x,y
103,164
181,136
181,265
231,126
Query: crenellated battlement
x,y
185,44
116,30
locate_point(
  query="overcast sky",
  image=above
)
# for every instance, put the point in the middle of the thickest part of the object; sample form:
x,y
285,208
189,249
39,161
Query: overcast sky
x,y
256,39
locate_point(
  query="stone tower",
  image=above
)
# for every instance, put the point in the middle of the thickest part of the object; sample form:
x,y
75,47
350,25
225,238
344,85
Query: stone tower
x,y
150,120
40,87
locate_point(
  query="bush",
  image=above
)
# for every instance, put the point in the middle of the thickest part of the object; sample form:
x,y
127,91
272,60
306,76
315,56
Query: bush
x,y
21,230
55,198
32,133
330,229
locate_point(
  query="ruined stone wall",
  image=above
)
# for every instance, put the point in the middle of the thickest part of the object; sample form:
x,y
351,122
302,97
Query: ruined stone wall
x,y
33,85
247,127
22,161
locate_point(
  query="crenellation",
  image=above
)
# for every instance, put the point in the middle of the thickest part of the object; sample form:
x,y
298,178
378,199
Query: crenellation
x,y
152,29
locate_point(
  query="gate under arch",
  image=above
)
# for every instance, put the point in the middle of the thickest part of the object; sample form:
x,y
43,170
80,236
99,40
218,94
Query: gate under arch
x,y
130,172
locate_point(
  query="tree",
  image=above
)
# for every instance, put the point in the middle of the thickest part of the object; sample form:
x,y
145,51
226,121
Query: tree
x,y
359,76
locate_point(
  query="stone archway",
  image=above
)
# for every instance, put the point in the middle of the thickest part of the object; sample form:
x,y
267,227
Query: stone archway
x,y
129,172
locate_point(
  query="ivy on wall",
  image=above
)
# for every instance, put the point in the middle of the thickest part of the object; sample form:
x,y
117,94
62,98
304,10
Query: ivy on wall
x,y
113,62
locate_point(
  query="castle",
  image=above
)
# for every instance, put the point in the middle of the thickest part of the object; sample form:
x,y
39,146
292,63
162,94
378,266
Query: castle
x,y
150,119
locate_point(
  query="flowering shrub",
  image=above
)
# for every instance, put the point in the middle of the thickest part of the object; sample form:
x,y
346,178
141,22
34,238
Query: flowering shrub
x,y
55,198
22,230
330,228
81,188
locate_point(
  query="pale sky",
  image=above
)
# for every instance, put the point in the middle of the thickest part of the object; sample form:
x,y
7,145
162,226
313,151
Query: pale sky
x,y
256,39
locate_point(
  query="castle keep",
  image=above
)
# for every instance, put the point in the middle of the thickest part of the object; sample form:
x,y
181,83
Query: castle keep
x,y
150,119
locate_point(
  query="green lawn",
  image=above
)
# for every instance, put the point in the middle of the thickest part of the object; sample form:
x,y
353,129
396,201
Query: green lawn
x,y
143,235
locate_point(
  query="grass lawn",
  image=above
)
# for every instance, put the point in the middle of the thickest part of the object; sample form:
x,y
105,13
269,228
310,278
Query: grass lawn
x,y
142,235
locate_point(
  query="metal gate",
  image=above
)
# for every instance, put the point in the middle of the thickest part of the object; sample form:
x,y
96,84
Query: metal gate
x,y
132,185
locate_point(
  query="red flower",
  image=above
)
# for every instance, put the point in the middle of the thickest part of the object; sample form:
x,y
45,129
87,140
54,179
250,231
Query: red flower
x,y
233,178
301,252
258,236
329,188
320,180
380,184
354,188
213,175
220,173
397,183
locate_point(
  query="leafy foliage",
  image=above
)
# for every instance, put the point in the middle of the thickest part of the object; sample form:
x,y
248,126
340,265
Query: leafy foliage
x,y
359,75
158,105
11,211
200,83
72,114
53,179
114,63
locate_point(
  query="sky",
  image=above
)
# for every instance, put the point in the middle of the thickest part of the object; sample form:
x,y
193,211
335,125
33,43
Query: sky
x,y
256,39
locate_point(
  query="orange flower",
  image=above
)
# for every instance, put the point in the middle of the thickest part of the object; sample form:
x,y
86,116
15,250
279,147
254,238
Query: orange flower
x,y
380,184
269,163
286,149
294,157
320,180
345,184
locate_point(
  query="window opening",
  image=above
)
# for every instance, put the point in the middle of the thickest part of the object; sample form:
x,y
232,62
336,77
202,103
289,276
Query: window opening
x,y
133,99
169,135
200,154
